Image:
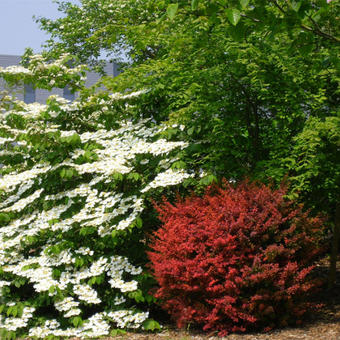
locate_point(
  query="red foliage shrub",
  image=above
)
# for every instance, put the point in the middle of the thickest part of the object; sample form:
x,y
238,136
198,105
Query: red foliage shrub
x,y
238,258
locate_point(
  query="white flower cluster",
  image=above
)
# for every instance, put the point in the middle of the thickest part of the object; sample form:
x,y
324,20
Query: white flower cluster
x,y
31,110
119,300
4,141
66,304
12,324
47,74
15,69
86,293
9,182
21,204
22,189
167,178
94,327
4,283
128,319
159,147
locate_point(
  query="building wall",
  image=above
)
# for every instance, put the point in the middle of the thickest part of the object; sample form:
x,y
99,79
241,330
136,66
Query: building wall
x,y
40,95
9,60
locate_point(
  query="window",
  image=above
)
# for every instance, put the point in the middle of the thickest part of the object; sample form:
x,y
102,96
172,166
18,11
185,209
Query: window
x,y
116,70
29,94
67,94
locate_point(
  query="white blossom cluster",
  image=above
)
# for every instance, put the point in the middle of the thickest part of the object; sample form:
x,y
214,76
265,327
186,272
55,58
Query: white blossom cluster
x,y
86,293
9,182
16,69
47,74
57,238
31,110
22,189
21,204
94,327
13,323
3,141
127,319
167,178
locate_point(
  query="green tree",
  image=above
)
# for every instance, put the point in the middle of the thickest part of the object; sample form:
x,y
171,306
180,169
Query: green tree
x,y
242,76
315,173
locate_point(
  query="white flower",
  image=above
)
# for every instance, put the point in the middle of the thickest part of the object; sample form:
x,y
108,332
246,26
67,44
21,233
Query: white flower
x,y
86,293
144,161
18,206
167,178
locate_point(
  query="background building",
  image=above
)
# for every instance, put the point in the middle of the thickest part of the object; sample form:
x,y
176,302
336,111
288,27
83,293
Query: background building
x,y
29,95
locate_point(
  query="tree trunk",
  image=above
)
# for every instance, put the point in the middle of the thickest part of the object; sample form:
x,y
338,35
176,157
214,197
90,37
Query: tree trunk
x,y
335,246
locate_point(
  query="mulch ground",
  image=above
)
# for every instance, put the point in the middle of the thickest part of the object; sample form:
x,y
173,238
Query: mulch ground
x,y
325,325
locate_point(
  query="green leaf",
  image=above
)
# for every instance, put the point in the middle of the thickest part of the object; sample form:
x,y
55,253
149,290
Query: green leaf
x,y
69,173
51,290
151,325
194,4
4,218
117,176
244,3
150,299
139,222
207,180
178,165
99,279
62,173
191,131
92,281
233,15
237,32
86,231
116,332
88,155
50,337
171,11
17,284
296,5
137,295
10,310
134,176
77,321
15,311
71,140
79,262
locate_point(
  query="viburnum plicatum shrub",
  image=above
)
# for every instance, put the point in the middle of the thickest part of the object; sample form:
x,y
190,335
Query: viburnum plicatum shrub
x,y
73,182
236,259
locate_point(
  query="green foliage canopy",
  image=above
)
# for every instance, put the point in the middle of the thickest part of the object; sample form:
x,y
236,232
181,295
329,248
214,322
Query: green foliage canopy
x,y
243,76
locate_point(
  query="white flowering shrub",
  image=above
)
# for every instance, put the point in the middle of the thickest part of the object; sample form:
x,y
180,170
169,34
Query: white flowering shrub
x,y
73,184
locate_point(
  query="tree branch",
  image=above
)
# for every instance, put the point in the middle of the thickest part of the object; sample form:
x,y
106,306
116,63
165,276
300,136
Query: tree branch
x,y
316,30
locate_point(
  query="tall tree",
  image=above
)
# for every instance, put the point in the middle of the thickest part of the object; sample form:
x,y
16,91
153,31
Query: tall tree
x,y
243,76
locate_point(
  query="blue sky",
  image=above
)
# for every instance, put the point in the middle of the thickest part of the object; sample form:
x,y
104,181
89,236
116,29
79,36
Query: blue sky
x,y
17,28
